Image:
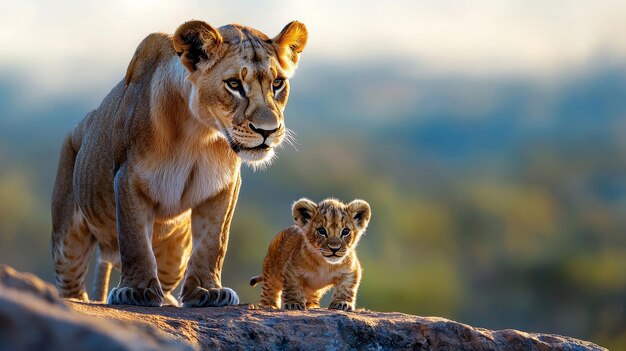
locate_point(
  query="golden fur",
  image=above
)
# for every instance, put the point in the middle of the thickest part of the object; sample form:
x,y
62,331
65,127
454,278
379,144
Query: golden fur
x,y
304,261
151,177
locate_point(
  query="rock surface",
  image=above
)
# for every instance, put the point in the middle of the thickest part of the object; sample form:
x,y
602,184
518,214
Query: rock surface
x,y
47,325
245,327
32,317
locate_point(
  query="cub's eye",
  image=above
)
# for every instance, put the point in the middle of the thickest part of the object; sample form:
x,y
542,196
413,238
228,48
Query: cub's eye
x,y
322,232
345,232
278,83
233,83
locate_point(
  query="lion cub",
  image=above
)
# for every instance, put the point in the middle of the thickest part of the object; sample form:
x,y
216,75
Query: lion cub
x,y
305,260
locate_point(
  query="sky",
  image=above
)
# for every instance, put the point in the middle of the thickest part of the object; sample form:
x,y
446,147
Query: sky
x,y
84,46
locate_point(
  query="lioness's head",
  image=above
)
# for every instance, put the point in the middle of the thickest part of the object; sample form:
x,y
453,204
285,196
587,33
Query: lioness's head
x,y
331,228
240,79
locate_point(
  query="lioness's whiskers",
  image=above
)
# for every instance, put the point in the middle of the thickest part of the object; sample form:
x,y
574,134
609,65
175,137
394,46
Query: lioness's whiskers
x,y
290,138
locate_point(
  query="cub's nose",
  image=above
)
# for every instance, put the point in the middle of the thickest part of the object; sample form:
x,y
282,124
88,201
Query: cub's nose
x,y
264,132
334,247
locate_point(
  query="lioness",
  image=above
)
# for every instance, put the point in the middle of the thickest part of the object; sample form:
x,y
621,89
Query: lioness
x,y
153,174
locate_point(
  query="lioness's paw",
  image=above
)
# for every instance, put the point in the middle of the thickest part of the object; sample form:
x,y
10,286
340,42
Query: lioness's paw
x,y
152,297
294,306
340,305
216,297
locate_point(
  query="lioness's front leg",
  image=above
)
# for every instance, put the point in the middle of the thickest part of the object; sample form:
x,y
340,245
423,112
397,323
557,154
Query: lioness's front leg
x,y
139,284
210,225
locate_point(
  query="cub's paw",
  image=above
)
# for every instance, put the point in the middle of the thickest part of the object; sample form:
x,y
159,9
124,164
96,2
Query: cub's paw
x,y
271,305
151,296
294,306
340,305
215,297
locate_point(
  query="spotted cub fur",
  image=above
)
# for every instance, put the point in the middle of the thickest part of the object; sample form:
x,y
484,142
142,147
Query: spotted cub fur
x,y
318,253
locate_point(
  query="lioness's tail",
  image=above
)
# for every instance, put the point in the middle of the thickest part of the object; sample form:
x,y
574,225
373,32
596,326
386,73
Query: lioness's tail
x,y
255,280
101,278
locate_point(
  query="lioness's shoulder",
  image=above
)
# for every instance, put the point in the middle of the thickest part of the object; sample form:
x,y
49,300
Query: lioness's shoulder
x,y
153,49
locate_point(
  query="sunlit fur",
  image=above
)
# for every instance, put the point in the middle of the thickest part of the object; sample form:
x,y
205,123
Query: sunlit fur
x,y
248,55
151,177
303,262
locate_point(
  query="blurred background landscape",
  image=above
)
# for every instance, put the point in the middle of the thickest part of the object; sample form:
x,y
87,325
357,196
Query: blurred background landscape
x,y
489,138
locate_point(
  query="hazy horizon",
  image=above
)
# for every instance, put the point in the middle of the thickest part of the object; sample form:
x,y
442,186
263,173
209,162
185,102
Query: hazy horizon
x,y
74,46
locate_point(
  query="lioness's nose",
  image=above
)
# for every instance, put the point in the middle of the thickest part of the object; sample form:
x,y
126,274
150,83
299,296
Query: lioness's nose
x,y
264,132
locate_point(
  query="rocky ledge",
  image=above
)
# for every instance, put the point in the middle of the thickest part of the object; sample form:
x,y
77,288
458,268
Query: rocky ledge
x,y
32,318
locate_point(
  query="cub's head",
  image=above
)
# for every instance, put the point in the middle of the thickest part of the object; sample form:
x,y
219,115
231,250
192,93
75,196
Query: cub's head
x,y
240,81
332,228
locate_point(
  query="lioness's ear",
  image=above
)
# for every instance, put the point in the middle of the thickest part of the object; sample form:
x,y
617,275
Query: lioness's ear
x,y
302,211
360,212
195,41
289,43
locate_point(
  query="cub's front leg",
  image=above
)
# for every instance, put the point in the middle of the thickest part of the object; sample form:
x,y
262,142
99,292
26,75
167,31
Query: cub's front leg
x,y
293,296
139,284
210,225
344,296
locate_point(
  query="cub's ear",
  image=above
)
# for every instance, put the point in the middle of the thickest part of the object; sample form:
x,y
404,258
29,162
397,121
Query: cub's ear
x,y
289,43
360,212
302,211
195,41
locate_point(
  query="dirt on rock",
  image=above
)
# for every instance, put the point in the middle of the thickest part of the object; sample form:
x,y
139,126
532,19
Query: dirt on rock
x,y
245,327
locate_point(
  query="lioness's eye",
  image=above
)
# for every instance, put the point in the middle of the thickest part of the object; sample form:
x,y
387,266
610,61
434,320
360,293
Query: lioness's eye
x,y
321,231
233,83
278,83
345,232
